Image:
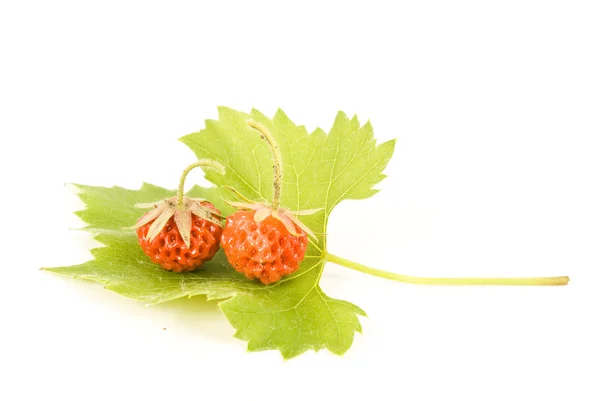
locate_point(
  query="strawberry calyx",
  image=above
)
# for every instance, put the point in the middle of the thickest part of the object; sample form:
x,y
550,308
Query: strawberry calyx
x,y
167,208
180,208
287,217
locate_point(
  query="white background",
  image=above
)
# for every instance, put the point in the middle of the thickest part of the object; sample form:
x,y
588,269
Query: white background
x,y
495,106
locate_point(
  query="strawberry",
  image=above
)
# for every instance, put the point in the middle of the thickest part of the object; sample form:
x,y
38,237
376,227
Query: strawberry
x,y
183,241
265,242
181,233
264,250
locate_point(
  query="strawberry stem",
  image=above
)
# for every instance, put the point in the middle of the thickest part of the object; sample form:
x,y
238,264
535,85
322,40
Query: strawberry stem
x,y
218,167
562,280
277,164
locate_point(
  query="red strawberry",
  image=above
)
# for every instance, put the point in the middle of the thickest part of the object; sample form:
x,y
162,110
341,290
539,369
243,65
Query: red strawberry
x,y
174,251
181,233
263,250
267,242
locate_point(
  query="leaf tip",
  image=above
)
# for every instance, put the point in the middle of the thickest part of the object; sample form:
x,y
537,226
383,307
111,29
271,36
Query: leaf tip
x,y
186,138
341,115
391,144
75,188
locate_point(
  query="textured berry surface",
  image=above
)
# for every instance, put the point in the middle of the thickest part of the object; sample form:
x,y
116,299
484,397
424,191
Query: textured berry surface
x,y
265,251
169,250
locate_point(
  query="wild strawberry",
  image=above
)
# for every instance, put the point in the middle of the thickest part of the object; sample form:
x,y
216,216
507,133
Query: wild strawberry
x,y
181,233
265,242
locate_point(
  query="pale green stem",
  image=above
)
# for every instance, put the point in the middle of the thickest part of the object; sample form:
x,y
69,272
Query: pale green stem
x,y
561,280
218,167
277,163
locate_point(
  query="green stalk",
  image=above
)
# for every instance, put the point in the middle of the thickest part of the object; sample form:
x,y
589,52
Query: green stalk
x,y
561,280
277,163
218,167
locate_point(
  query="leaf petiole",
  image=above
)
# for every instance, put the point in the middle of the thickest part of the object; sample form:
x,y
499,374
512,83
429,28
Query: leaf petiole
x,y
561,280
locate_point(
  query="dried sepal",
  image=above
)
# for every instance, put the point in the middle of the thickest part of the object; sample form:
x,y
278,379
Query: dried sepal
x,y
245,205
261,214
301,225
148,217
206,214
194,199
238,194
289,225
183,221
306,212
160,222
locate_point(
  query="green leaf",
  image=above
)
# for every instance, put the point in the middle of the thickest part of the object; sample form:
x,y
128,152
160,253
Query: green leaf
x,y
320,170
